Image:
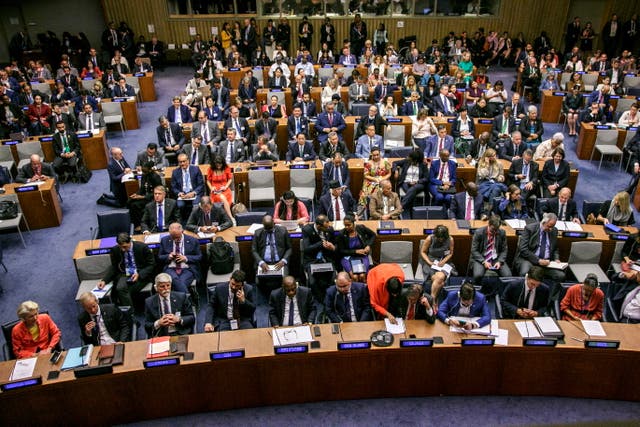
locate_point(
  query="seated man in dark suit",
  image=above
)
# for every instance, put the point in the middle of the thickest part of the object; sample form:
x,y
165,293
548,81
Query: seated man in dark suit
x,y
35,170
478,147
151,154
238,123
66,148
563,206
489,251
297,123
337,169
187,183
523,172
329,121
526,298
271,247
231,306
466,302
232,148
331,146
197,153
373,118
117,168
179,113
412,106
267,126
319,242
415,304
159,213
132,265
442,178
264,150
503,126
291,304
347,301
122,89
102,324
512,149
208,218
301,150
308,106
439,142
337,202
170,138
168,312
181,255
538,245
467,204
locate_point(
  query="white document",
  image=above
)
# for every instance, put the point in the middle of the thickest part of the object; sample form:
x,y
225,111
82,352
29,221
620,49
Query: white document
x,y
445,268
338,225
502,335
558,265
516,224
292,335
568,226
127,177
205,235
593,328
253,228
28,184
547,325
395,329
159,347
100,293
154,238
23,368
528,329
485,330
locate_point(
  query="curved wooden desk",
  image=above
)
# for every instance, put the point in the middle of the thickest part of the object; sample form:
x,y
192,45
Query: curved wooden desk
x,y
132,393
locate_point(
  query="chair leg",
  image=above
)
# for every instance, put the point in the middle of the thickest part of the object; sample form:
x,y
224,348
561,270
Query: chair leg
x,y
4,266
21,238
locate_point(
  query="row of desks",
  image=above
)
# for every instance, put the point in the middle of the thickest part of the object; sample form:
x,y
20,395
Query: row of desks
x,y
40,206
551,104
587,139
325,374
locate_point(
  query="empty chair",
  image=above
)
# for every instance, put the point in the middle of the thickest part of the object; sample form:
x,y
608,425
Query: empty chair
x,y
624,104
428,212
26,149
261,186
630,135
111,223
398,252
87,84
616,259
394,136
590,80
8,224
303,184
257,73
630,82
360,109
249,217
606,145
584,259
6,159
564,79
91,269
112,113
42,87
213,278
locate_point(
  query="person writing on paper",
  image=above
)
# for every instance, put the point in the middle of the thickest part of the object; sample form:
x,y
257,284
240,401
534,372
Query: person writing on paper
x,y
583,301
102,324
385,286
416,305
208,218
271,246
616,211
35,333
291,305
466,302
35,170
231,305
436,252
131,268
168,312
526,298
347,301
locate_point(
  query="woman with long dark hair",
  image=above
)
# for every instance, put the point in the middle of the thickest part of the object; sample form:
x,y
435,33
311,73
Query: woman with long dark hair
x,y
290,208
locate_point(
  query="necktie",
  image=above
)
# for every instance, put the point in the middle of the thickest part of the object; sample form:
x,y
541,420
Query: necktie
x,y
186,179
441,172
370,144
165,306
229,158
205,135
415,109
440,145
177,248
236,307
467,214
505,124
160,217
337,175
237,126
272,247
561,213
194,157
446,104
337,208
526,298
167,137
65,143
207,219
96,329
543,245
411,314
330,119
488,255
291,308
130,264
347,309
297,125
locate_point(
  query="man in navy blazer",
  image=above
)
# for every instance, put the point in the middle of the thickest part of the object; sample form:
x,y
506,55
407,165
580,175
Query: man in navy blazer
x,y
217,315
221,96
329,121
187,183
458,207
301,150
442,105
441,181
438,142
170,138
297,123
181,255
122,89
512,148
336,169
167,312
413,106
347,301
117,168
307,106
332,146
526,298
178,112
383,90
563,206
466,300
284,301
328,202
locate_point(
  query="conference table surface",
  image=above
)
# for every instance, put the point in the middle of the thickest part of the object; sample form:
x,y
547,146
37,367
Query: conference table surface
x,y
132,393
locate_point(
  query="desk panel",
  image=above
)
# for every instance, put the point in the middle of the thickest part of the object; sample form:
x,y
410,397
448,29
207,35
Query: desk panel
x,y
130,113
147,88
41,208
587,139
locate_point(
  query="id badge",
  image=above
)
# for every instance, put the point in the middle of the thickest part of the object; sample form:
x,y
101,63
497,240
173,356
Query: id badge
x,y
234,324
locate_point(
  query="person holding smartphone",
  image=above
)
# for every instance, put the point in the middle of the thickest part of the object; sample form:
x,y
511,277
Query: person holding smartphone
x,y
231,306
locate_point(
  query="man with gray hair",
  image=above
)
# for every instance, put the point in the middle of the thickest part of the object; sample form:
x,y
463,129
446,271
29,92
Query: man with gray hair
x,y
102,324
168,312
531,127
545,149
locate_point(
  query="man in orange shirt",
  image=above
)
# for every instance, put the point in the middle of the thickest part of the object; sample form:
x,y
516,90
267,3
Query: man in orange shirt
x,y
385,282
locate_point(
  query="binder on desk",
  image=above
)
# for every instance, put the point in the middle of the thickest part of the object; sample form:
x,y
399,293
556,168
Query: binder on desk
x,y
74,359
548,327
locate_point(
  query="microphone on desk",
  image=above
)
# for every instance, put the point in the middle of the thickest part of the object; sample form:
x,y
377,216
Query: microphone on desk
x,y
91,231
218,346
588,337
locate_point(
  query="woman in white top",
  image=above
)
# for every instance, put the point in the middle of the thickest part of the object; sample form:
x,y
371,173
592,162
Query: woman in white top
x,y
329,90
574,64
497,95
279,51
388,107
324,49
378,63
630,117
422,128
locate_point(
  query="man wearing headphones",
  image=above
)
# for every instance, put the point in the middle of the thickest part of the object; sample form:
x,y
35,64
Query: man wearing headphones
x,y
465,303
347,301
167,312
291,304
385,287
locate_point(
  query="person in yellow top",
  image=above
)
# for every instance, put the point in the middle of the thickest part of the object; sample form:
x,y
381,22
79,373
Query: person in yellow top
x,y
225,38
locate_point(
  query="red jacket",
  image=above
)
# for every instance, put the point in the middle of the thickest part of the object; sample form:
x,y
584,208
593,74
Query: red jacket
x,y
23,343
376,280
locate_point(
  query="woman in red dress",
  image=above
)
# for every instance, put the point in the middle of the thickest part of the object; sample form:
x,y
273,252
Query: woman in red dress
x,y
219,181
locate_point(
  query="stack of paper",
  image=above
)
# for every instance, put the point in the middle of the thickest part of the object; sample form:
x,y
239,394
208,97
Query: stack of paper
x,y
100,293
23,368
568,226
516,224
292,335
502,335
398,328
158,347
73,359
527,329
593,328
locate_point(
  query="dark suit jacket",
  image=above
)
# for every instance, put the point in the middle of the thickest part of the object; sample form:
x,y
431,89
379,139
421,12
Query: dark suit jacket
x,y
115,178
403,165
72,139
530,241
512,299
216,311
225,97
213,133
479,308
304,299
127,91
26,172
195,176
378,121
377,92
259,244
308,152
328,171
311,108
480,241
313,244
525,128
157,159
455,127
366,236
261,128
507,150
323,122
115,321
238,150
291,126
185,113
420,310
516,169
438,106
150,216
257,155
327,151
407,108
498,121
179,303
335,304
326,204
474,151
434,172
550,176
175,130
191,250
204,154
553,205
142,255
458,207
431,150
196,219
244,127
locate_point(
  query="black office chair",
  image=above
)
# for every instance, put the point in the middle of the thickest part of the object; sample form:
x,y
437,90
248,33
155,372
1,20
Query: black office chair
x,y
556,303
539,205
110,223
250,217
590,207
429,212
7,347
131,321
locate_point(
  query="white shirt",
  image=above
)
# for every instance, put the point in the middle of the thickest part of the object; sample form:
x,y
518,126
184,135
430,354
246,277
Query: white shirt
x,y
104,337
296,312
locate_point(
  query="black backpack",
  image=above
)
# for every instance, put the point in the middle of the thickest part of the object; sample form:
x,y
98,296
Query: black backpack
x,y
221,256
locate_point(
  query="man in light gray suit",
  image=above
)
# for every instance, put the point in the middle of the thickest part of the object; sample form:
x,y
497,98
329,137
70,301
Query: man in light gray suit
x,y
153,155
90,120
206,129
